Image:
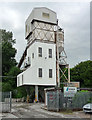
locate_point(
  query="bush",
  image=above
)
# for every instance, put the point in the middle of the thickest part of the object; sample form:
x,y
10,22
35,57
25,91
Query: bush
x,y
81,98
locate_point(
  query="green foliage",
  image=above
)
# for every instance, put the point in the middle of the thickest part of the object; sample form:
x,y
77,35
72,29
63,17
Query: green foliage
x,y
6,86
8,52
81,98
9,69
82,73
11,81
83,91
14,71
19,92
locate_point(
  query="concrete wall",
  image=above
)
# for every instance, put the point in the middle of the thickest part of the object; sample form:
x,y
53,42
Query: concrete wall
x,y
30,76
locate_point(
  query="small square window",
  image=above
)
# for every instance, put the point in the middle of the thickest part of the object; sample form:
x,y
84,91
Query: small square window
x,y
40,72
40,52
50,53
46,15
50,73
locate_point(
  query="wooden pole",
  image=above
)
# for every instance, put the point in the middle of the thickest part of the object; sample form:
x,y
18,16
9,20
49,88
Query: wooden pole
x,y
68,74
57,59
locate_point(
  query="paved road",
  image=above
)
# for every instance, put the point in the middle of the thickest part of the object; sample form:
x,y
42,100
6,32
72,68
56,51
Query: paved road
x,y
21,110
32,111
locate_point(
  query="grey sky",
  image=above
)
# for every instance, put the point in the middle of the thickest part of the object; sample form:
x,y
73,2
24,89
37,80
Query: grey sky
x,y
74,18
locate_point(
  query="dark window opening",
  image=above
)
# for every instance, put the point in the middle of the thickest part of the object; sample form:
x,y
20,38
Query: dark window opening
x,y
50,53
32,55
40,72
46,15
50,73
40,52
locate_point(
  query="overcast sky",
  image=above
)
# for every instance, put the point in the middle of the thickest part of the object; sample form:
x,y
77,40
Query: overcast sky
x,y
74,18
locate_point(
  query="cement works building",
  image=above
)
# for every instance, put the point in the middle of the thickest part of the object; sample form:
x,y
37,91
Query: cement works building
x,y
45,53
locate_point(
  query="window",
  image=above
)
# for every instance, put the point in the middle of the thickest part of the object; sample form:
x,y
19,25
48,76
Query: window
x,y
45,15
50,53
32,55
40,72
50,73
22,79
40,52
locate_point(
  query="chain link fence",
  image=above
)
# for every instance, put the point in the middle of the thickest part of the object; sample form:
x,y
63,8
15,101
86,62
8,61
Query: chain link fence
x,y
6,101
57,101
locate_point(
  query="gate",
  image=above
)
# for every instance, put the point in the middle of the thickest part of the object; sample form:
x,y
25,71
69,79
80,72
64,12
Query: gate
x,y
53,101
6,101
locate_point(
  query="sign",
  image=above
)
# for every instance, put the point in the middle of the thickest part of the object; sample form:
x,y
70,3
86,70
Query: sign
x,y
73,84
69,91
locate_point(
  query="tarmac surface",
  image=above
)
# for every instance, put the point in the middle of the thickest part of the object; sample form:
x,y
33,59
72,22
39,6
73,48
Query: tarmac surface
x,y
35,110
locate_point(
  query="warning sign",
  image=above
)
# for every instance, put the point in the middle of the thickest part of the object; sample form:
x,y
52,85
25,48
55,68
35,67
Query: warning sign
x,y
69,91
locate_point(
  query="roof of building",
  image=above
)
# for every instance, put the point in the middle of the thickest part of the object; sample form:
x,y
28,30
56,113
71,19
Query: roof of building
x,y
22,58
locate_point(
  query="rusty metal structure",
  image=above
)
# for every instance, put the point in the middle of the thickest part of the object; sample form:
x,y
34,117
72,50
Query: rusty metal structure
x,y
61,56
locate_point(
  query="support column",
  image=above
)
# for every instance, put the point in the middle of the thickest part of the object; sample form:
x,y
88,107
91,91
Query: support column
x,y
36,93
68,74
57,58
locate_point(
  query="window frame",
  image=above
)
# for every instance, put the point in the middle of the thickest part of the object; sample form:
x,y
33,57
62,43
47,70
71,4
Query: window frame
x,y
40,72
50,73
39,52
50,54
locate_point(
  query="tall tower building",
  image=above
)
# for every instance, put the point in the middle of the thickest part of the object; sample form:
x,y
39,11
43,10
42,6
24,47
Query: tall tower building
x,y
39,60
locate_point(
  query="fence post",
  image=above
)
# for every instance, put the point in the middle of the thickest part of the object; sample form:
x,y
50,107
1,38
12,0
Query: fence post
x,y
1,102
10,100
57,101
47,100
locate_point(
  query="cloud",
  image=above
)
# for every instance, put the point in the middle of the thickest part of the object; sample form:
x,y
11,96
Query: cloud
x,y
73,18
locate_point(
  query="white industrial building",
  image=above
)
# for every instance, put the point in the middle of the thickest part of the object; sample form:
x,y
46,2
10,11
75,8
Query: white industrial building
x,y
39,60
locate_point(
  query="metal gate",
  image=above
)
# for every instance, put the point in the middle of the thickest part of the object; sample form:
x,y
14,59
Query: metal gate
x,y
53,101
6,101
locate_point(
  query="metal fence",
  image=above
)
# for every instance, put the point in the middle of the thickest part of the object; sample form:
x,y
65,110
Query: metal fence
x,y
53,101
57,101
6,101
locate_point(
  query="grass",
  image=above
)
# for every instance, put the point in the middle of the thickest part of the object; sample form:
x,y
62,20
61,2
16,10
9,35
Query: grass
x,y
66,112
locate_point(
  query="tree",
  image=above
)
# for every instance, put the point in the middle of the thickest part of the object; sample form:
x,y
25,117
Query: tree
x,y
11,79
8,52
82,73
9,68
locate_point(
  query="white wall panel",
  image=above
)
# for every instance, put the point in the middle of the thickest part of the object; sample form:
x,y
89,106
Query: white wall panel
x,y
31,74
37,14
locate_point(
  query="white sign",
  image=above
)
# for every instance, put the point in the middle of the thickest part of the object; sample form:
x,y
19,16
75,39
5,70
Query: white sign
x,y
69,91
